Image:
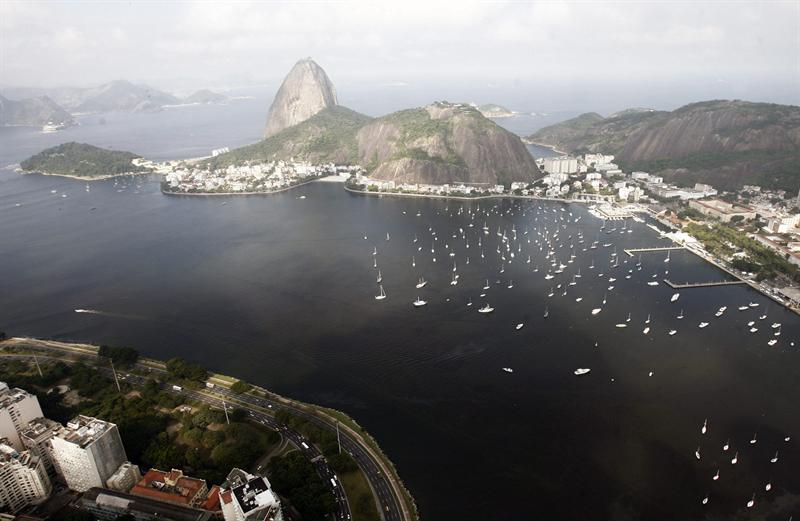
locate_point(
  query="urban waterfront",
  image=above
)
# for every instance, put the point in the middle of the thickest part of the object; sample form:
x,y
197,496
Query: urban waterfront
x,y
280,290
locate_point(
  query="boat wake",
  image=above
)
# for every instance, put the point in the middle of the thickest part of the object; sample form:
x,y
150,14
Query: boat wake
x,y
107,314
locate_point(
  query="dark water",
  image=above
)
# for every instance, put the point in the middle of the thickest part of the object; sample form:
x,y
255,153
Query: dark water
x,y
279,290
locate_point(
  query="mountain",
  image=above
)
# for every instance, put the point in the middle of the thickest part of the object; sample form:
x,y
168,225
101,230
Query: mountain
x,y
82,160
443,143
118,96
305,91
491,110
724,143
205,96
34,112
327,136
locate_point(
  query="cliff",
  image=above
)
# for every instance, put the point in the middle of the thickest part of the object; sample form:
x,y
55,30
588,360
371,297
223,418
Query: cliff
x,y
725,143
305,91
443,143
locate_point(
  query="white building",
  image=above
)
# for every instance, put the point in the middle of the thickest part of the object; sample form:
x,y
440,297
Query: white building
x,y
597,159
245,497
783,224
23,478
593,176
17,408
560,165
36,438
87,452
125,477
640,176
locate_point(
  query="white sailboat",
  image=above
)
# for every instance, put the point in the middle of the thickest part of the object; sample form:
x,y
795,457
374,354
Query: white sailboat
x,y
486,309
421,282
380,277
581,371
381,294
419,303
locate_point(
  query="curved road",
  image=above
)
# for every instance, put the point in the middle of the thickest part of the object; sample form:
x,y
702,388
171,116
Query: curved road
x,y
391,507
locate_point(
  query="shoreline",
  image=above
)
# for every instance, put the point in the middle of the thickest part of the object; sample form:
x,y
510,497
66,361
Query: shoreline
x,y
279,190
331,417
543,145
88,179
466,198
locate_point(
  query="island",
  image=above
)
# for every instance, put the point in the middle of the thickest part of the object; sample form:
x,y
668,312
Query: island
x,y
492,110
86,162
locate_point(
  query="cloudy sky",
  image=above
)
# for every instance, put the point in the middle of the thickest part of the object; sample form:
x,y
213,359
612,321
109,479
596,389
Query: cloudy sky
x,y
552,54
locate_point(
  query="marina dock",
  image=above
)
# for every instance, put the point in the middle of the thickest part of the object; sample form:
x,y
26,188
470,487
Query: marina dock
x,y
685,285
634,251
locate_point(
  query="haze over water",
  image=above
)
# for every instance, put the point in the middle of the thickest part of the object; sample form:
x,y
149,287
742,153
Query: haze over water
x,y
280,291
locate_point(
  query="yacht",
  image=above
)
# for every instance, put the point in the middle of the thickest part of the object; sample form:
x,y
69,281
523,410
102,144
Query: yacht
x,y
380,277
486,309
519,326
646,330
381,294
546,312
772,342
596,311
672,332
508,370
702,325
675,297
421,282
652,283
581,370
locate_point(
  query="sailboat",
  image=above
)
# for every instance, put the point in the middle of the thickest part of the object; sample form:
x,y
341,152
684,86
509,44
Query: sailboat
x,y
675,297
486,309
546,312
421,282
381,295
680,316
581,371
419,302
380,277
667,259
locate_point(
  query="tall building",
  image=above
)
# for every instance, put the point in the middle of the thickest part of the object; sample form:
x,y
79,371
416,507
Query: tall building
x,y
560,165
87,452
23,478
36,438
245,497
17,408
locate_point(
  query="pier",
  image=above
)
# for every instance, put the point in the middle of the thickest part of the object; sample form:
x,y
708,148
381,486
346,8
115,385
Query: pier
x,y
676,285
634,251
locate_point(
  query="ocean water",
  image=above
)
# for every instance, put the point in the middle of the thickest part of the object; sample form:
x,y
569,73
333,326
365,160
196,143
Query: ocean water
x,y
280,291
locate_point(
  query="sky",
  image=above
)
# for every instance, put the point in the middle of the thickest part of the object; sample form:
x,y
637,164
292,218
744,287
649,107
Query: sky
x,y
554,55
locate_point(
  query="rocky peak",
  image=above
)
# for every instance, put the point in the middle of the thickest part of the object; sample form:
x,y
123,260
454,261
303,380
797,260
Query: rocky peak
x,y
305,91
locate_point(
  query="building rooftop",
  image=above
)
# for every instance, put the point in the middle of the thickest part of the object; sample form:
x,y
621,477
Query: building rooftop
x,y
84,430
11,395
39,426
254,494
9,454
169,486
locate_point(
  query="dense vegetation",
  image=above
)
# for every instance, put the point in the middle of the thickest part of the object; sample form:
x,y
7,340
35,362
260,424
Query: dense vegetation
x,y
723,241
295,476
185,371
124,356
329,135
82,160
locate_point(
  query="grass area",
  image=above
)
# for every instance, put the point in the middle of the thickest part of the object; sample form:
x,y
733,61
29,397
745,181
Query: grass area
x,y
359,496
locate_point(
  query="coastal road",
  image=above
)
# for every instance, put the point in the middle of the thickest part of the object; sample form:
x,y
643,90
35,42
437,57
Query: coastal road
x,y
386,489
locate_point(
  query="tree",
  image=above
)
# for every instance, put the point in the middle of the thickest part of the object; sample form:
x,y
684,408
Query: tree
x,y
179,368
240,387
737,218
120,355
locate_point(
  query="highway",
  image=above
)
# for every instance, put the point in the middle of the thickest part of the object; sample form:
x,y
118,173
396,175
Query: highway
x,y
385,489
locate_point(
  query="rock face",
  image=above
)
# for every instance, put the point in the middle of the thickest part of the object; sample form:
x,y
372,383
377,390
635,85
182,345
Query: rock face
x,y
305,91
34,112
443,143
726,143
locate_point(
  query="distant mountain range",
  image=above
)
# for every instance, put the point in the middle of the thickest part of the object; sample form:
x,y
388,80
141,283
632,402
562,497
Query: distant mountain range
x,y
37,107
724,143
35,112
441,143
